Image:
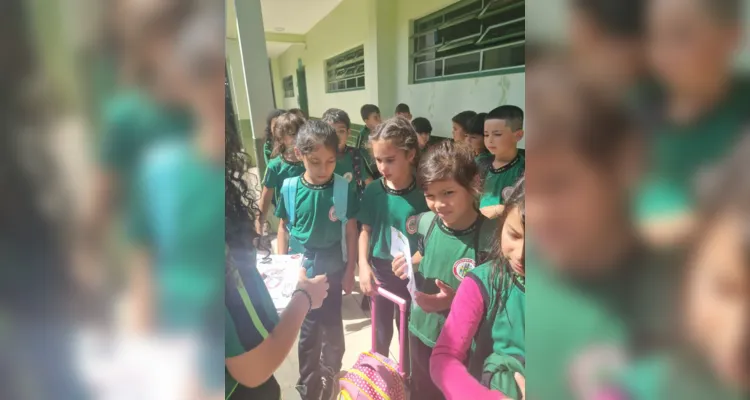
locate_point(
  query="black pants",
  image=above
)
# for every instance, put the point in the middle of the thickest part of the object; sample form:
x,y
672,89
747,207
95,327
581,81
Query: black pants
x,y
421,382
386,311
321,342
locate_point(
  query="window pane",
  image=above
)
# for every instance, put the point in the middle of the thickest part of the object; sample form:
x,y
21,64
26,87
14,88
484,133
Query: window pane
x,y
462,30
462,64
361,82
341,85
429,69
351,83
504,57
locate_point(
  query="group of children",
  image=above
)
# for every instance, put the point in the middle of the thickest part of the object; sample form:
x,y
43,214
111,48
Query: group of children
x,y
337,204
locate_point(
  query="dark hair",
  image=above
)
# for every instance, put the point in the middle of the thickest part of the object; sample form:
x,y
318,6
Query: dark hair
x,y
512,115
730,11
337,116
315,133
367,110
501,276
399,133
269,120
287,124
298,112
402,108
422,125
449,160
476,124
463,118
619,18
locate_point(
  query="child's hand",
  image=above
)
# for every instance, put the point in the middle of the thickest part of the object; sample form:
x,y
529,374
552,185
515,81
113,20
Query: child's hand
x,y
433,303
367,281
348,281
399,266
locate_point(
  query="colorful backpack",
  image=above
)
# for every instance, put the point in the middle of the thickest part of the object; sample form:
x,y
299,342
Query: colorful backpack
x,y
340,203
375,376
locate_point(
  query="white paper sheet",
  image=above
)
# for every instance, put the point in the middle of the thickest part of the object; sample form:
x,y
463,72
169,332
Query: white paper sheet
x,y
280,276
400,244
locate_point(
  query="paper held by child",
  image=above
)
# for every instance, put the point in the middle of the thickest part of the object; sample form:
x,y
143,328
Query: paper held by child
x,y
400,245
280,274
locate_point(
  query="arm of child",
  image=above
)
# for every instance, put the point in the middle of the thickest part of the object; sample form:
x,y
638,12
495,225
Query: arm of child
x,y
452,348
416,259
282,238
245,367
365,270
351,254
140,301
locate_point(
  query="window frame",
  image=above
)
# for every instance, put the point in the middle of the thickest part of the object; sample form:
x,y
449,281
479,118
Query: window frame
x,y
477,43
345,61
288,91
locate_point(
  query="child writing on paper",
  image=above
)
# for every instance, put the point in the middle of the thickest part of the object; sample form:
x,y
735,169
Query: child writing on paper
x,y
395,200
453,238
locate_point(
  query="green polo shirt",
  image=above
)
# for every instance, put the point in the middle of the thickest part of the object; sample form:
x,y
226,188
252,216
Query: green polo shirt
x,y
498,182
383,208
448,255
345,167
279,169
678,153
250,317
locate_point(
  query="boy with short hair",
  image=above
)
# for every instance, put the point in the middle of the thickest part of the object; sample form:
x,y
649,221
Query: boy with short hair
x,y
371,116
503,129
423,128
351,163
402,110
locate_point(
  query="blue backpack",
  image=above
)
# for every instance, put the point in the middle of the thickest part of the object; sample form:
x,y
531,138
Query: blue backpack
x,y
340,203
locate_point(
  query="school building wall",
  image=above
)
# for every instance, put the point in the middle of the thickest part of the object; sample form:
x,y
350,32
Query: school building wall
x,y
383,27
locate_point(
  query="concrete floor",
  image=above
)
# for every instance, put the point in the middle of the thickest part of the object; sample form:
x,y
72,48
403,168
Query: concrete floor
x,y
357,336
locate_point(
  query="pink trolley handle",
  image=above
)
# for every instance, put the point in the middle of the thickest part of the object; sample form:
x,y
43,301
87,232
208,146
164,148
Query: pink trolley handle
x,y
403,327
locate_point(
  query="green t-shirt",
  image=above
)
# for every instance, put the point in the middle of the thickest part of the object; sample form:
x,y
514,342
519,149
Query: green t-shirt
x,y
267,151
447,255
578,333
345,168
279,169
680,152
178,215
363,141
382,208
499,181
249,318
132,124
316,226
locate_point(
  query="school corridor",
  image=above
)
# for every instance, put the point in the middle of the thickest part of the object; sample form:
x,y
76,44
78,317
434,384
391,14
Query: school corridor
x,y
440,57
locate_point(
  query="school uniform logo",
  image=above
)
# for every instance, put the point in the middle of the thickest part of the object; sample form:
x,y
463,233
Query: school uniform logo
x,y
592,367
332,214
506,192
411,225
462,267
348,176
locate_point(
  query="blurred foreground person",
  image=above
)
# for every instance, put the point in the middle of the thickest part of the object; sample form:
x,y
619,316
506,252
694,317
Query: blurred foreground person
x,y
37,296
696,110
593,300
711,357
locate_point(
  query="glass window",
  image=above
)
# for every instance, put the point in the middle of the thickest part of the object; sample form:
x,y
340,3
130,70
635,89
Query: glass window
x,y
346,71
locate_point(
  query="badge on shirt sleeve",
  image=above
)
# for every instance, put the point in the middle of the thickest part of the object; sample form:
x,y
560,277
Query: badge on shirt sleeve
x,y
463,267
411,225
332,214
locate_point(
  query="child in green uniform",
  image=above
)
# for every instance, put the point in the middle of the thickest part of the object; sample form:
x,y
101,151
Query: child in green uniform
x,y
699,106
475,138
351,162
270,125
252,328
453,238
461,125
284,162
492,306
402,110
597,288
371,116
503,129
313,209
423,128
396,201
710,357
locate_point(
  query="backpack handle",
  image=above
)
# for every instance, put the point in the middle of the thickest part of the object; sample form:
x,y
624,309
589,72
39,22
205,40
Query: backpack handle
x,y
402,308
